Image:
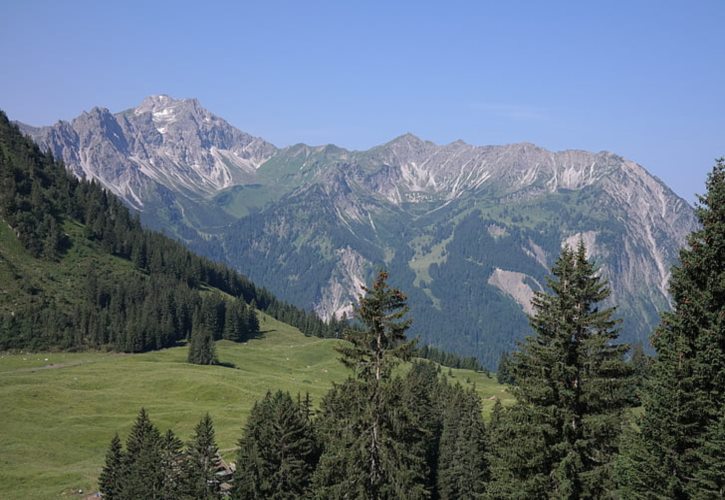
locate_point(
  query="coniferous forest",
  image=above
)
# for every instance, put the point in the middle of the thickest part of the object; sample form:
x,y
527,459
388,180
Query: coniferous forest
x,y
593,418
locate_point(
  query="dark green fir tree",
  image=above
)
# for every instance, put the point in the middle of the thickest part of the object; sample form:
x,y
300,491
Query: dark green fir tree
x,y
234,322
424,397
202,462
202,350
640,364
462,468
518,454
709,480
376,348
172,464
373,441
572,389
278,451
143,474
673,456
503,372
111,480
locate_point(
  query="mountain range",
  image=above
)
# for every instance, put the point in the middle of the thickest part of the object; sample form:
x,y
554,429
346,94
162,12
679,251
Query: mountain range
x,y
468,232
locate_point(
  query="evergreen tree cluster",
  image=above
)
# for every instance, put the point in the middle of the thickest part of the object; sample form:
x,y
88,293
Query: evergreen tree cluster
x,y
137,314
278,451
155,304
220,319
157,466
504,374
679,451
34,193
572,391
378,434
570,433
433,444
449,359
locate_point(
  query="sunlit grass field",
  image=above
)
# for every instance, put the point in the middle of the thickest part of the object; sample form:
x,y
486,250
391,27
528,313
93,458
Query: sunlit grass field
x,y
58,411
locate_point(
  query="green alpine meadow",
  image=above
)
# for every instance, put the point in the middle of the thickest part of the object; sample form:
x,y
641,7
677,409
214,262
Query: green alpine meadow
x,y
60,409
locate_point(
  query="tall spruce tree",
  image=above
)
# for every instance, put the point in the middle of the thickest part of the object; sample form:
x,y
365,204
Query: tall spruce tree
x,y
571,389
278,451
519,454
375,349
143,474
462,468
201,345
640,363
202,462
425,395
346,425
709,479
111,480
234,324
372,439
172,465
503,372
684,398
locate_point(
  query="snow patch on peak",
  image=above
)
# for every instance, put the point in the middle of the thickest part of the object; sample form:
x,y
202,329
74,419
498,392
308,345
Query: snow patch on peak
x,y
153,103
164,114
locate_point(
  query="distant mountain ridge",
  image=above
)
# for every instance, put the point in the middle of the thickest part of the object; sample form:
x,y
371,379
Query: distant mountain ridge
x,y
468,231
176,143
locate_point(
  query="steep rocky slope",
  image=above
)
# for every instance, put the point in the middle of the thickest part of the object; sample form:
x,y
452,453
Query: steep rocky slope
x,y
164,157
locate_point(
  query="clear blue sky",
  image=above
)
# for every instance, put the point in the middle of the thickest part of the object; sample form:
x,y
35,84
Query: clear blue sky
x,y
645,79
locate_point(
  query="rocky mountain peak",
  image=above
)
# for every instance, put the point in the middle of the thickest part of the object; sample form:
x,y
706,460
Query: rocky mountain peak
x,y
406,139
160,102
168,113
407,144
175,143
155,102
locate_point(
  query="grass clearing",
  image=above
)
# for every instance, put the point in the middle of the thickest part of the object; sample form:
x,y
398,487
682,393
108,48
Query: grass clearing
x,y
59,411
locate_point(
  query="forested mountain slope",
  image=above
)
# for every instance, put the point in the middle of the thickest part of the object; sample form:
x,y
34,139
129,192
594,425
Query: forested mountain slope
x,y
79,271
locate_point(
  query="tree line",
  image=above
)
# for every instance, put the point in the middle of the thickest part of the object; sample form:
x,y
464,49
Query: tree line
x,y
155,465
449,359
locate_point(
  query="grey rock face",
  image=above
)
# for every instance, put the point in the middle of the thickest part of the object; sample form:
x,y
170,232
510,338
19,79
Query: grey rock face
x,y
408,173
655,219
174,143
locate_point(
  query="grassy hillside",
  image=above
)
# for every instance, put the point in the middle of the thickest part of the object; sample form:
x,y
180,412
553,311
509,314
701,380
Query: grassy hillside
x,y
60,410
24,277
